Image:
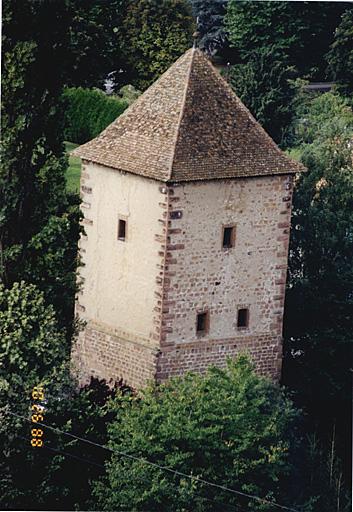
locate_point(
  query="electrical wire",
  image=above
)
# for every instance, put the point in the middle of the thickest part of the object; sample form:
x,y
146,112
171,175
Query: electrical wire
x,y
86,461
61,452
163,468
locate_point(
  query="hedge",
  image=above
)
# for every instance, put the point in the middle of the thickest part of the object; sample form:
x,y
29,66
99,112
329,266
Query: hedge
x,y
88,112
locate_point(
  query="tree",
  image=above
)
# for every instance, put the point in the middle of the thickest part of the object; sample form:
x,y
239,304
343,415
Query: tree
x,y
210,24
319,119
318,322
58,476
154,34
265,85
27,327
303,31
30,343
38,220
33,352
340,56
93,50
230,427
319,482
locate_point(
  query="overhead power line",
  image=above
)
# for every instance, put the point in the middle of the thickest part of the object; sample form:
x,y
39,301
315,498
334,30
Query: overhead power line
x,y
86,461
158,466
61,452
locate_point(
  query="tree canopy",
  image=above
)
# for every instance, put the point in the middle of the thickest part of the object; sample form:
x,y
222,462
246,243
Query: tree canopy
x,y
33,352
303,31
340,56
276,42
38,220
265,85
319,307
230,427
153,35
210,24
93,51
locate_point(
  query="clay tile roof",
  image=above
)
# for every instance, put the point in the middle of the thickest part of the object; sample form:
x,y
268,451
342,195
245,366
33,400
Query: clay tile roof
x,y
189,125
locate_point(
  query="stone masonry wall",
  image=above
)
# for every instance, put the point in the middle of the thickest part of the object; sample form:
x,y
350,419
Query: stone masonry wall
x,y
265,352
203,276
104,355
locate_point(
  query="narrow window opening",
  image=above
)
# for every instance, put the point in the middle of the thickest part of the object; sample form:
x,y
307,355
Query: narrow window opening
x,y
228,237
202,323
243,317
122,230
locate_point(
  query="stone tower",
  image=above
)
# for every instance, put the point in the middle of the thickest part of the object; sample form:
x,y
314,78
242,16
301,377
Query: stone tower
x,y
187,205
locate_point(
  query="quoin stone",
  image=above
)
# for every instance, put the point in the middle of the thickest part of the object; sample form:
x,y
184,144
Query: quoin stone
x,y
187,206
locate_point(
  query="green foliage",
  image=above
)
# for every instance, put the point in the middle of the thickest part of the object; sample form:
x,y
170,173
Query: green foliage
x,y
52,261
340,56
210,16
38,221
93,50
265,85
318,119
275,42
30,340
319,305
56,476
88,112
129,93
320,485
154,34
230,427
302,31
33,351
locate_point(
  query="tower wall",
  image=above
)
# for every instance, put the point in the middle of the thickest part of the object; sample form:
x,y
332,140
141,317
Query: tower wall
x,y
140,298
202,276
117,297
119,276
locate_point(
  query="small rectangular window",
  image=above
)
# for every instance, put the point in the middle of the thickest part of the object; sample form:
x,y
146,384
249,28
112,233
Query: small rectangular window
x,y
202,323
243,318
228,237
122,230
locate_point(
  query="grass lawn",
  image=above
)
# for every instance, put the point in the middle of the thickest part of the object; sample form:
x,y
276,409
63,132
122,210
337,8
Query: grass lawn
x,y
74,170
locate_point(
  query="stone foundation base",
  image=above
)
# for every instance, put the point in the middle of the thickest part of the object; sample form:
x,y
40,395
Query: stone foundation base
x,y
109,357
265,352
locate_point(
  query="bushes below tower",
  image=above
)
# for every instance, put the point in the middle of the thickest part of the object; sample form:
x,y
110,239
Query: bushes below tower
x,y
88,112
229,427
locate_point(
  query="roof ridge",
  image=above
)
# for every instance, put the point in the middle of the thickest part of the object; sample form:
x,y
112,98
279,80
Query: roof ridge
x,y
181,114
189,125
246,110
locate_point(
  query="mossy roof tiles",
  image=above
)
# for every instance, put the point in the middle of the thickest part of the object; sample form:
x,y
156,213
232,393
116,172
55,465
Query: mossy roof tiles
x,y
189,125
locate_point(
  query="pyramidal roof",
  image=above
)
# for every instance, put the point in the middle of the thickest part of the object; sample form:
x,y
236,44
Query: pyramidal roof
x,y
189,125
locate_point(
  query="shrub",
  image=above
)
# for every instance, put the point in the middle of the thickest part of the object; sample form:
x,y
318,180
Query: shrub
x,y
88,112
228,426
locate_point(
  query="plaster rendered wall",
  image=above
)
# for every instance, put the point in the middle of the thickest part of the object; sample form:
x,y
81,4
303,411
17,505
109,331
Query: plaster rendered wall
x,y
119,277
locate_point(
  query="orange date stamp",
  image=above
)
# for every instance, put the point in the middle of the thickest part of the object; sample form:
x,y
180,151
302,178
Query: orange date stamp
x,y
37,411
